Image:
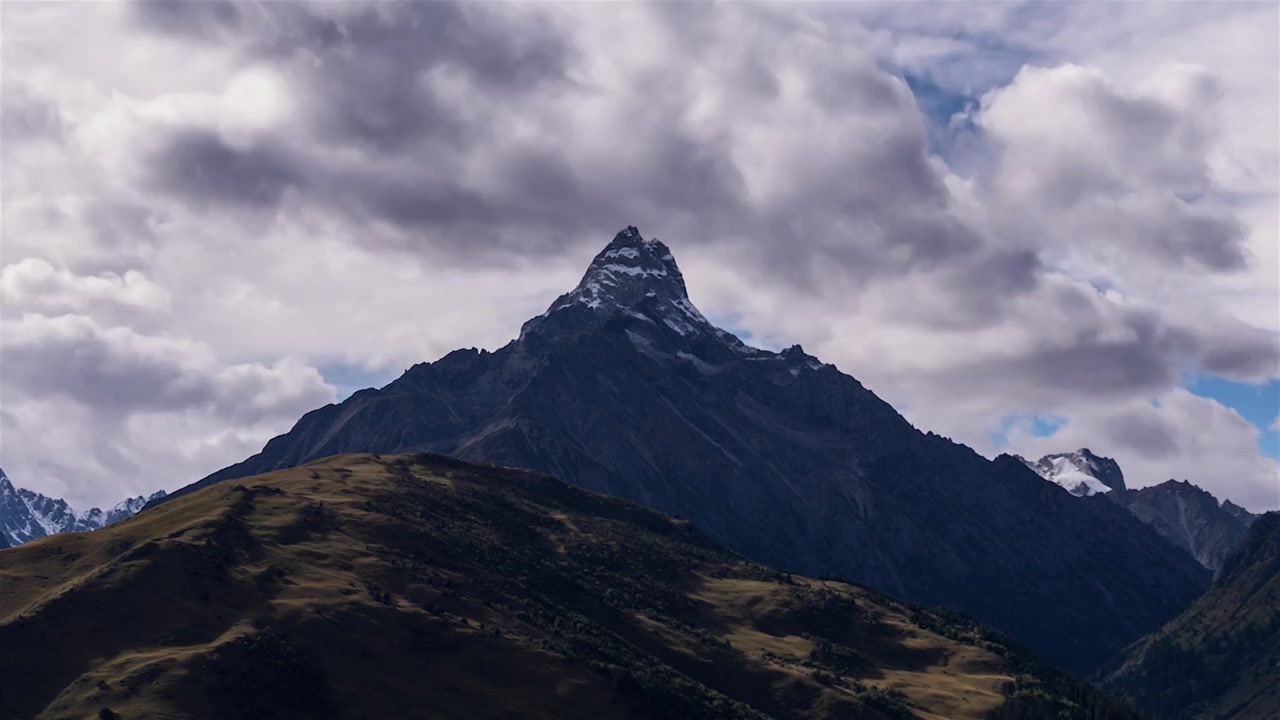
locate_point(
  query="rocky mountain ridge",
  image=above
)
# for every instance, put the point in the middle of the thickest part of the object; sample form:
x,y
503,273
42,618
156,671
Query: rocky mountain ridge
x,y
624,388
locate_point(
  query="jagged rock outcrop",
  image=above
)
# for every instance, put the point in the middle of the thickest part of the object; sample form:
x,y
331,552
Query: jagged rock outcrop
x,y
1190,518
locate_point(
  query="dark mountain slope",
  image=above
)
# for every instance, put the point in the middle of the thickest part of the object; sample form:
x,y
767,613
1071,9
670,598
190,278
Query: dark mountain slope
x,y
623,387
1190,518
1221,658
422,587
1180,512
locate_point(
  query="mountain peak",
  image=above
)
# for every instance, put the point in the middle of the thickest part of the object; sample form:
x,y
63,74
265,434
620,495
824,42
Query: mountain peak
x,y
1081,472
628,269
637,276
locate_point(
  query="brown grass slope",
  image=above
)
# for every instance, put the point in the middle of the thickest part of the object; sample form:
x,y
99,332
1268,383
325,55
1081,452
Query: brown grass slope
x,y
1219,660
421,587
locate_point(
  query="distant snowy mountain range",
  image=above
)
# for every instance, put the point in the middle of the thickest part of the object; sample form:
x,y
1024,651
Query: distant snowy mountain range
x,y
1184,514
26,515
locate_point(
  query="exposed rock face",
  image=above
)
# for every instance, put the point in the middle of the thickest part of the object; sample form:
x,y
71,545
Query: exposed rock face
x,y
1190,518
623,387
1220,658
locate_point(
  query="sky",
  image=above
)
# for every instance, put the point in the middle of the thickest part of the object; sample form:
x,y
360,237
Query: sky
x,y
1030,227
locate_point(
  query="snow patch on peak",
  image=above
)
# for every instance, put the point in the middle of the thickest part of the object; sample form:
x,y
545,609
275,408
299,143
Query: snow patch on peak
x,y
626,252
1081,473
637,278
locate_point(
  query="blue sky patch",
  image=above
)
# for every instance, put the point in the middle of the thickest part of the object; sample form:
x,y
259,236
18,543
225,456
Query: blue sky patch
x,y
1257,403
1041,426
350,378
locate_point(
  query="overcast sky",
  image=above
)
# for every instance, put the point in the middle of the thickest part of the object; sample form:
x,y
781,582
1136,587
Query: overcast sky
x,y
1029,227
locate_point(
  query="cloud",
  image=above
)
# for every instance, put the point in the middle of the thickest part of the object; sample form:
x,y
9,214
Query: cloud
x,y
1180,437
25,116
94,413
1110,165
33,283
117,371
371,185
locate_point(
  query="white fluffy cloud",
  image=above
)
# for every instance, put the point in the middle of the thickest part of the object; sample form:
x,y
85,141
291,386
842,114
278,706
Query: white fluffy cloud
x,y
247,193
1178,436
34,283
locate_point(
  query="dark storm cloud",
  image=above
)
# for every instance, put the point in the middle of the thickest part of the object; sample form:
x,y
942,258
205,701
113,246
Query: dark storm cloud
x,y
1093,366
198,166
24,115
117,371
1147,434
1091,355
379,141
206,20
363,77
360,66
70,357
1214,242
980,291
1255,356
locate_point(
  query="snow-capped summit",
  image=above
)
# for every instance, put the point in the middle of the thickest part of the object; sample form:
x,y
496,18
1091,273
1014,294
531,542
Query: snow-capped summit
x,y
1081,472
26,515
638,277
628,269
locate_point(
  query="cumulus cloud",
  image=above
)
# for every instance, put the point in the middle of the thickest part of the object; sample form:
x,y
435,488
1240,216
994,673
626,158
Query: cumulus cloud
x,y
36,284
1119,170
1180,436
372,185
117,371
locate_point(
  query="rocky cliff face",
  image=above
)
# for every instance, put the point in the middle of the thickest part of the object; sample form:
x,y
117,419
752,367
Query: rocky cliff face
x,y
623,387
1190,518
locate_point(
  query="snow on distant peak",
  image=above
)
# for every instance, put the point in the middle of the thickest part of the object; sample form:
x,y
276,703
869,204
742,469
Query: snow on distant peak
x,y
26,515
1081,473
